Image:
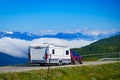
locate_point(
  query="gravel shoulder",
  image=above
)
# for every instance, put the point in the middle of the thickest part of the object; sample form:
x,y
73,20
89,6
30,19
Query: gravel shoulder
x,y
6,69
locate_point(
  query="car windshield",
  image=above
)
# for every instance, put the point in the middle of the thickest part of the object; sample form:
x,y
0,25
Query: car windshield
x,y
75,53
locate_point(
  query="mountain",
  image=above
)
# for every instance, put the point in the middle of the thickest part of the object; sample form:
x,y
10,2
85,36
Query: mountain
x,y
19,35
69,36
66,36
10,60
111,44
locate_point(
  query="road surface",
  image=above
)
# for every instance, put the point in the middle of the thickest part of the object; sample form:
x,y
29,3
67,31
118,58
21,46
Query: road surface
x,y
28,68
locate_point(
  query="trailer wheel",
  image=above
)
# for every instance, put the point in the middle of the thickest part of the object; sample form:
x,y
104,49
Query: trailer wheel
x,y
75,62
60,63
42,64
81,62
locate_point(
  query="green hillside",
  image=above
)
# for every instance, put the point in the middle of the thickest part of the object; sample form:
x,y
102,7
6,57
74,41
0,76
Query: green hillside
x,y
94,72
106,45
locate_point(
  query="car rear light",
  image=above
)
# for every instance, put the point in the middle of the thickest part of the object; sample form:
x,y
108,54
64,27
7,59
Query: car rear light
x,y
46,56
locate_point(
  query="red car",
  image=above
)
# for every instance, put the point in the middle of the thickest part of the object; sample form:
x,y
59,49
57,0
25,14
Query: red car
x,y
76,58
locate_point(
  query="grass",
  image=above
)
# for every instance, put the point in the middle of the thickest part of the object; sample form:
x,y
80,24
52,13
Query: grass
x,y
95,72
91,58
95,57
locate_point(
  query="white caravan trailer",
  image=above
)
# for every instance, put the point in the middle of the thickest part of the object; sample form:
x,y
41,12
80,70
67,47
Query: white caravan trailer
x,y
49,53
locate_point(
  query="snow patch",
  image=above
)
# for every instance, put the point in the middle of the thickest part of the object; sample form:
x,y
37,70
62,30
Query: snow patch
x,y
9,32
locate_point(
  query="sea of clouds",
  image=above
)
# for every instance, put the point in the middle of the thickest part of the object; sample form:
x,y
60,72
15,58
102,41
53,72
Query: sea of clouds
x,y
19,48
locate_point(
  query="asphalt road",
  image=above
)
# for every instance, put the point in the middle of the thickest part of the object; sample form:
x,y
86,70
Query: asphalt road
x,y
36,67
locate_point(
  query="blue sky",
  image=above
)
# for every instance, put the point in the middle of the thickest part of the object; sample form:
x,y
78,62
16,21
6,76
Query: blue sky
x,y
36,15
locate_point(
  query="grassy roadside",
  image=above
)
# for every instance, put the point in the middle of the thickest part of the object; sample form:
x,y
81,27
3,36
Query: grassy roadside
x,y
95,72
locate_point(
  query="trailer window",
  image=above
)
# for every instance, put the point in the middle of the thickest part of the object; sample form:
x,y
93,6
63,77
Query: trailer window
x,y
67,52
53,51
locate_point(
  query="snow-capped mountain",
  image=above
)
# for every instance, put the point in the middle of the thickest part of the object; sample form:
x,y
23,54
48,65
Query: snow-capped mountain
x,y
19,35
66,36
69,36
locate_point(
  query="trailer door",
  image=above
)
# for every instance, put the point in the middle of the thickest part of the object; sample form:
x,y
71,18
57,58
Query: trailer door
x,y
38,53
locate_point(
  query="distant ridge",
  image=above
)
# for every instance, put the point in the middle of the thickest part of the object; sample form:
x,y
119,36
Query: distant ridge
x,y
19,35
111,44
6,60
66,36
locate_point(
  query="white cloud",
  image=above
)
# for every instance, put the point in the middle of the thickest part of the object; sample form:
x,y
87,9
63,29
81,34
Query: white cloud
x,y
71,44
46,32
95,32
19,48
14,47
84,30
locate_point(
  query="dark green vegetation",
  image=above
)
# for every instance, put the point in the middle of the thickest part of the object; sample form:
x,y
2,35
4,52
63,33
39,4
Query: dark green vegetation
x,y
104,48
106,45
95,72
